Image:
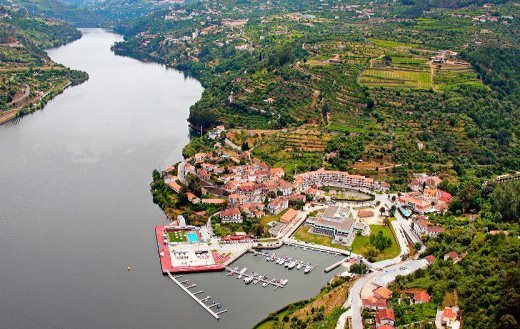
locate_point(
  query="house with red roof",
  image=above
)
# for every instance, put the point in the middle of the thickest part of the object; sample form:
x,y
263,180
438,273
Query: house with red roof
x,y
383,293
373,303
231,215
421,297
385,317
450,317
430,259
452,256
423,227
277,205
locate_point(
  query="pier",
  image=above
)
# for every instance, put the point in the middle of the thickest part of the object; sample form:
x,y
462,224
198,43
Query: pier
x,y
335,265
247,275
192,295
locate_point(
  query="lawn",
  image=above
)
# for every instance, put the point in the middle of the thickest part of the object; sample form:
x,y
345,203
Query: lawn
x,y
362,242
177,236
395,78
269,218
303,234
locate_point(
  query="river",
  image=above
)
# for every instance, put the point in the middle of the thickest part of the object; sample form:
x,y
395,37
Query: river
x,y
76,211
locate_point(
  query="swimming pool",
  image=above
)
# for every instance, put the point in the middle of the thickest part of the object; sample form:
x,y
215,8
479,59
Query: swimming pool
x,y
192,237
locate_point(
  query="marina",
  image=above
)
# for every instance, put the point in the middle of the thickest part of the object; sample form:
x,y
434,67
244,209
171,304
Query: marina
x,y
287,262
256,277
201,302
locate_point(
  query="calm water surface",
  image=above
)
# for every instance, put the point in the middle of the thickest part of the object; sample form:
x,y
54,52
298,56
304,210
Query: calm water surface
x,y
76,211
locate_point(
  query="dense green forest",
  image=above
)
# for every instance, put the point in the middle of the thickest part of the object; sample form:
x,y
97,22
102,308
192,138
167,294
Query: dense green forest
x,y
486,279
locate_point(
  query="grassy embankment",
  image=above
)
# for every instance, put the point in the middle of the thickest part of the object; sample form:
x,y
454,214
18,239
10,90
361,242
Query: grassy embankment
x,y
321,311
303,234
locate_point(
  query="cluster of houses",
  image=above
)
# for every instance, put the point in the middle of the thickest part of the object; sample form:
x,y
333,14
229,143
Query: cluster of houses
x,y
255,189
333,178
425,196
378,302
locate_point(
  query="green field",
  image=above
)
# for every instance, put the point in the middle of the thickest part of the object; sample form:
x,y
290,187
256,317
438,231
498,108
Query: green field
x,y
361,243
303,234
395,78
177,236
392,44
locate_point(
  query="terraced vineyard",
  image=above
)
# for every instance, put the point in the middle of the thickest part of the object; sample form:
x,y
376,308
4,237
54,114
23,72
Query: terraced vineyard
x,y
396,78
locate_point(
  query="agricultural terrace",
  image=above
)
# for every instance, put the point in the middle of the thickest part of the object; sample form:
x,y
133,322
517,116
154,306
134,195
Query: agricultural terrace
x,y
300,149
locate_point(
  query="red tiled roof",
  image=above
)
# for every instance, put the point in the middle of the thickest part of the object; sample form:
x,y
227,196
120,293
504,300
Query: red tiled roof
x,y
430,259
385,314
422,296
374,302
383,292
449,313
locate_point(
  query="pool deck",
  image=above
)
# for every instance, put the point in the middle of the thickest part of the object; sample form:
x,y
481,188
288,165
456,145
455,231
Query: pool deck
x,y
166,263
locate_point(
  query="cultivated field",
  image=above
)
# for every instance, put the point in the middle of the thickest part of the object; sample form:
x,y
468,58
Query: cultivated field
x,y
396,78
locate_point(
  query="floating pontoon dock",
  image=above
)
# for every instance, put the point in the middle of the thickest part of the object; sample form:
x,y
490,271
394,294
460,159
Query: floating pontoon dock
x,y
200,301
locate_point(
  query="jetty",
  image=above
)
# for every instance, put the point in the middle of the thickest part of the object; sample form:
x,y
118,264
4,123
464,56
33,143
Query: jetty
x,y
335,265
193,295
259,278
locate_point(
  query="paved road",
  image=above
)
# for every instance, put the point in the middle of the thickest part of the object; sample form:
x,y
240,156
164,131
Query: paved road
x,y
354,298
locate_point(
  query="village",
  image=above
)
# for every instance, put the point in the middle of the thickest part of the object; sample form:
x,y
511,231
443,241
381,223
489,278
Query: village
x,y
256,207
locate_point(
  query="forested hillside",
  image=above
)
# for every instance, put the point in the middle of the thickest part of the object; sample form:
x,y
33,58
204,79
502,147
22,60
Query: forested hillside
x,y
28,76
359,70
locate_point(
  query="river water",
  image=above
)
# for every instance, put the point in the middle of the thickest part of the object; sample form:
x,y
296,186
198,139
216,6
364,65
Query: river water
x,y
76,211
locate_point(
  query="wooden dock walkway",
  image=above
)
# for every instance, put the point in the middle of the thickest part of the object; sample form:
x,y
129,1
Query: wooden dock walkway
x,y
247,275
192,295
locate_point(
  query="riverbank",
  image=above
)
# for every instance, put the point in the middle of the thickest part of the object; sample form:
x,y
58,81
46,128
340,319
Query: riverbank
x,y
38,102
34,79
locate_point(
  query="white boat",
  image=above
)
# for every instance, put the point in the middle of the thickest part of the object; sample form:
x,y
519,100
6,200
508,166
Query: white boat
x,y
300,265
308,268
255,281
243,270
248,280
265,284
284,282
291,265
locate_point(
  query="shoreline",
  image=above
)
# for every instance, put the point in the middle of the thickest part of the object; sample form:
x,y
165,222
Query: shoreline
x,y
34,104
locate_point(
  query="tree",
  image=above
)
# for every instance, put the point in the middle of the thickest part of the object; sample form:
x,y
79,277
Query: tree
x,y
505,200
382,211
358,269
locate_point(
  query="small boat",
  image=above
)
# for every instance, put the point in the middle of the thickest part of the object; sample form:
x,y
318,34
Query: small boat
x,y
255,281
248,280
300,265
265,284
308,268
284,282
291,265
289,261
239,276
